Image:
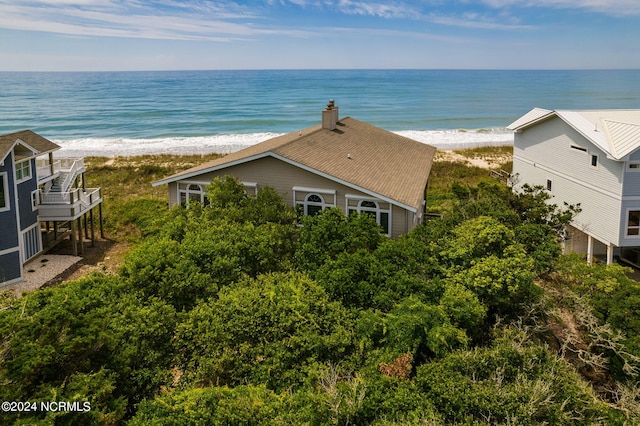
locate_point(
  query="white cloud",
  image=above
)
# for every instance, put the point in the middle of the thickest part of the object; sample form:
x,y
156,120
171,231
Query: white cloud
x,y
608,7
383,10
164,19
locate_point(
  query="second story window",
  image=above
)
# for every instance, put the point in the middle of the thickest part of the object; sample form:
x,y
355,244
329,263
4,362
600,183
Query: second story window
x,y
594,160
23,170
4,192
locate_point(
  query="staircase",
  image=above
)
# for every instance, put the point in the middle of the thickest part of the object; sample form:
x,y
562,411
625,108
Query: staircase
x,y
67,176
60,191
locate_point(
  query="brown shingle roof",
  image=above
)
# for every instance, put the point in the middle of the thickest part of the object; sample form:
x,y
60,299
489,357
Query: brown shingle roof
x,y
358,154
34,140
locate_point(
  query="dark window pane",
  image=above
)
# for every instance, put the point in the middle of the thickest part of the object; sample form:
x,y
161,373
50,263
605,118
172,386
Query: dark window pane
x,y
632,231
634,218
370,204
313,210
3,200
384,222
314,198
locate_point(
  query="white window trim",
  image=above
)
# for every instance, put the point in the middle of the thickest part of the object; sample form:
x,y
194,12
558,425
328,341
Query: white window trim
x,y
306,203
251,185
202,192
35,200
378,210
311,191
626,224
23,179
5,182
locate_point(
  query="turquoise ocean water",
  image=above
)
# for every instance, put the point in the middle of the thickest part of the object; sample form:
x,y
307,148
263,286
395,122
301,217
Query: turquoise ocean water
x,y
129,113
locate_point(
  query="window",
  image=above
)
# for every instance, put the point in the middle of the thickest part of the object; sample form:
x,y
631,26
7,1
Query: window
x,y
189,192
549,184
371,207
634,167
313,203
35,199
23,170
250,188
4,192
633,223
594,160
312,200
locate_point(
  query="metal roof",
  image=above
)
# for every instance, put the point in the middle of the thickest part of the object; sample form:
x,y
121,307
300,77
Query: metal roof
x,y
616,132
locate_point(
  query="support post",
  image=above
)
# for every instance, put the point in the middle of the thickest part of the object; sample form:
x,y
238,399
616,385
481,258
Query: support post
x,y
609,254
589,249
74,241
101,227
93,232
80,237
86,228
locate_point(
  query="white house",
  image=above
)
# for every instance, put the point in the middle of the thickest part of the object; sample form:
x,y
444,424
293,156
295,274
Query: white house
x,y
592,158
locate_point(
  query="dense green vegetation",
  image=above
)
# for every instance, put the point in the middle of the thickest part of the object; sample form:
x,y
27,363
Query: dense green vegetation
x,y
235,314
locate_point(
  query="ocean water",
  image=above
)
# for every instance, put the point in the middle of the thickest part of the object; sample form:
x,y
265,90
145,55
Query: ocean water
x,y
132,113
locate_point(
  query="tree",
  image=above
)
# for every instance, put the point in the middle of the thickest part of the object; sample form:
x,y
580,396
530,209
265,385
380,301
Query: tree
x,y
268,330
328,234
95,329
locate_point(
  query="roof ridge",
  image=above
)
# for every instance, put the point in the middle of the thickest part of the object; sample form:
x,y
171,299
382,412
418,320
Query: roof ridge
x,y
608,120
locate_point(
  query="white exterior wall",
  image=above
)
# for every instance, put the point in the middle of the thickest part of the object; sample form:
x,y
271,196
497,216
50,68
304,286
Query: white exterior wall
x,y
544,152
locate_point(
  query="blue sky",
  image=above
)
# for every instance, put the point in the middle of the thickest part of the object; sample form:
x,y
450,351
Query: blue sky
x,y
83,35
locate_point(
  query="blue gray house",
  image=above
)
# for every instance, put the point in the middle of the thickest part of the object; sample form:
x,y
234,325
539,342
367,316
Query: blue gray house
x,y
43,200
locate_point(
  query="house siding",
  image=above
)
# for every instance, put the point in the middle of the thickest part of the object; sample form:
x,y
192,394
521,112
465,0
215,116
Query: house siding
x,y
27,215
281,176
595,205
545,152
550,144
8,219
631,185
10,268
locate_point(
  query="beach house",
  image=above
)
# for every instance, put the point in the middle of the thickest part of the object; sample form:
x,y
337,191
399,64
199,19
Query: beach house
x,y
43,200
592,158
341,162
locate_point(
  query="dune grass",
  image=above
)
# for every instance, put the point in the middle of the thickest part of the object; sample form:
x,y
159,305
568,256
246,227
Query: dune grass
x,y
130,201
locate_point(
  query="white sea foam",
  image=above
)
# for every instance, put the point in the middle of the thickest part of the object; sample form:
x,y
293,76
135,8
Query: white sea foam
x,y
443,139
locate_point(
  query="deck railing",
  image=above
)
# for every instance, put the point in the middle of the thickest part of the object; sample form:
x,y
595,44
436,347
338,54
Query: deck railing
x,y
70,166
45,169
87,197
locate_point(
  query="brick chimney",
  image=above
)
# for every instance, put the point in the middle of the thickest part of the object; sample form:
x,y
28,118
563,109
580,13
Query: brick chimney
x,y
330,116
